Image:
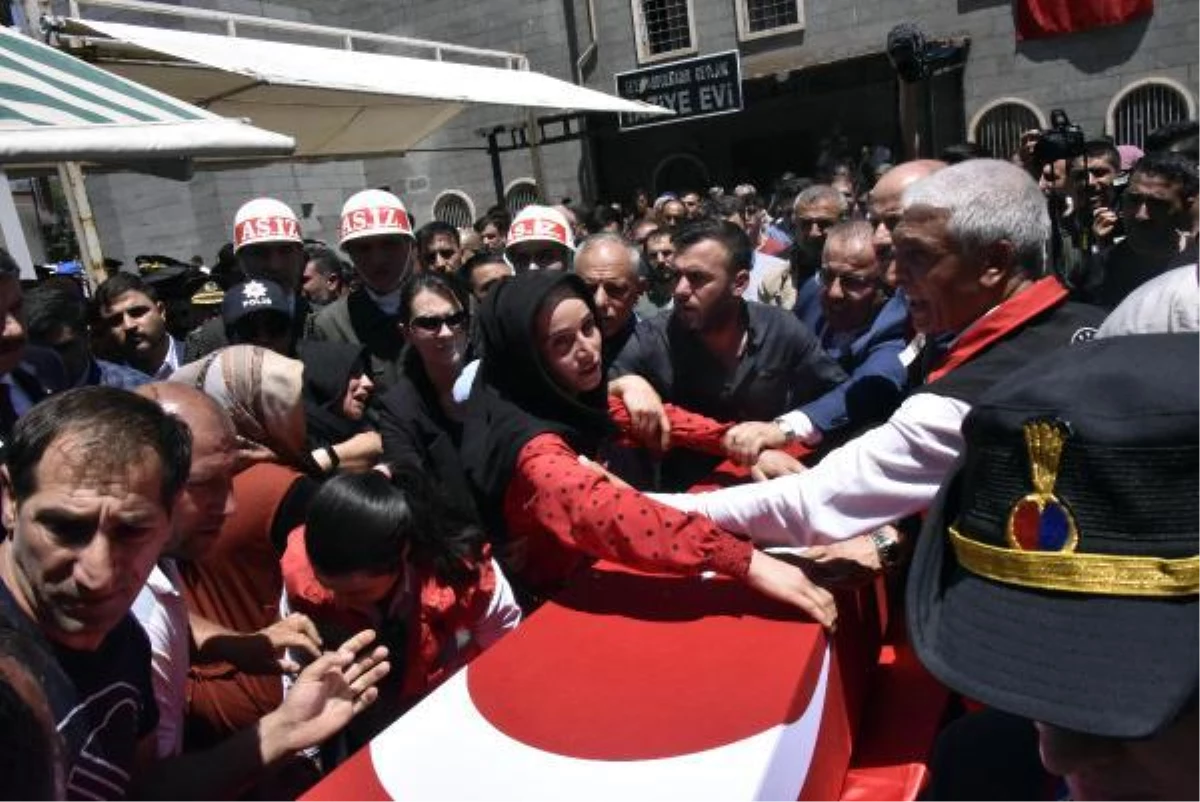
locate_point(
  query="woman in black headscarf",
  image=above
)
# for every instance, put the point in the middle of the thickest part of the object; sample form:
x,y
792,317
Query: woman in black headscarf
x,y
538,407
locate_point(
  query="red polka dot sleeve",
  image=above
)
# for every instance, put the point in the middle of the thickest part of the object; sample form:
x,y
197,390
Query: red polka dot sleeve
x,y
552,494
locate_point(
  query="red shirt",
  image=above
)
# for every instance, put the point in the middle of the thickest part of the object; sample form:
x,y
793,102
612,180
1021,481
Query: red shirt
x,y
562,515
440,613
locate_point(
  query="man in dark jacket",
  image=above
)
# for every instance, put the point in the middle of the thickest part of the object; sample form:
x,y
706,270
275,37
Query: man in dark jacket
x,y
718,355
376,232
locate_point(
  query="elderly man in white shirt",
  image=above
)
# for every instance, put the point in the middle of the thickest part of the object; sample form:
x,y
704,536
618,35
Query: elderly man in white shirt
x,y
970,253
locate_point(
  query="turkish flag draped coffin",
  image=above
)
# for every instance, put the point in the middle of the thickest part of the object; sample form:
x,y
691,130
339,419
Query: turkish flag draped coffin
x,y
1038,19
631,686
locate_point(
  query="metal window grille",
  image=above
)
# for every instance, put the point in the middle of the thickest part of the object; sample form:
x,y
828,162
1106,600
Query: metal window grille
x,y
520,195
454,208
999,130
766,15
1144,109
667,25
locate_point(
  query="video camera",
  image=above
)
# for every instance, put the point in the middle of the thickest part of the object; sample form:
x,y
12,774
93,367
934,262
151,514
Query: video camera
x,y
1062,140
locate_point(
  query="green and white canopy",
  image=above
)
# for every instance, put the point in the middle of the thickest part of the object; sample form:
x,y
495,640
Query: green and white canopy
x,y
55,107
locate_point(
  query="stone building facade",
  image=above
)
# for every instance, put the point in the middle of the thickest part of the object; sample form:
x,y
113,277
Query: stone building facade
x,y
829,73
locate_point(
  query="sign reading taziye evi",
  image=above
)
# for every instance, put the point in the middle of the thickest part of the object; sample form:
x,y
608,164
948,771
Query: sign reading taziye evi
x,y
696,87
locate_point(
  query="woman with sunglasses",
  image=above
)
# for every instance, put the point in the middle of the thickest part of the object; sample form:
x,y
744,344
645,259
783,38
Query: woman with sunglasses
x,y
419,420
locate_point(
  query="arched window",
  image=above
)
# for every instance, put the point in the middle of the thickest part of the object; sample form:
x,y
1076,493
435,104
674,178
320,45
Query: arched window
x,y
455,208
998,126
519,194
1144,106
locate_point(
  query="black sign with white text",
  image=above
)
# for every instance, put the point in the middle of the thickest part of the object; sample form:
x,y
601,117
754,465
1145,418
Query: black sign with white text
x,y
696,87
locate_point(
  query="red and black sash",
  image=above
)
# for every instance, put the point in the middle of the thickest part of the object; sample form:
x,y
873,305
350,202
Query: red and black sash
x,y
1007,317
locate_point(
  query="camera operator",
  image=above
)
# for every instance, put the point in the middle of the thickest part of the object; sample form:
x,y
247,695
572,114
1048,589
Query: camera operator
x,y
1098,181
1047,155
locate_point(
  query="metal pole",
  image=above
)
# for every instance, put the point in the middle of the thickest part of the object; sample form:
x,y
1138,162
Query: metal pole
x,y
10,227
497,171
535,154
71,176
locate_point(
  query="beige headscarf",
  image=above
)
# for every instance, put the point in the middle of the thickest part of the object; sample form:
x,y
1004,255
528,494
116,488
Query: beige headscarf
x,y
261,391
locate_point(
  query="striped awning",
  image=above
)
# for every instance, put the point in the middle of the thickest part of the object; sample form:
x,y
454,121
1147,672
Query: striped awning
x,y
55,107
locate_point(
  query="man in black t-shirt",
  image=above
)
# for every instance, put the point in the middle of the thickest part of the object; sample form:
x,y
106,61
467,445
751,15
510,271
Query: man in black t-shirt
x,y
90,484
90,478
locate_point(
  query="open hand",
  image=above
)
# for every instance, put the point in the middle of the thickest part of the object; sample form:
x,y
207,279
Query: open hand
x,y
788,583
326,696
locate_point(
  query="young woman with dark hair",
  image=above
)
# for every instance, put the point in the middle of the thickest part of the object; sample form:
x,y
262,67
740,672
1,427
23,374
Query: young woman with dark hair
x,y
540,404
419,420
391,555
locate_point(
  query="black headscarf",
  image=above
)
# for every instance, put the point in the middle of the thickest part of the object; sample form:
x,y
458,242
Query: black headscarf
x,y
514,398
328,368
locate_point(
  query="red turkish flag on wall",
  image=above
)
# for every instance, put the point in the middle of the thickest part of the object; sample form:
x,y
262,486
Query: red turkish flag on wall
x,y
1038,19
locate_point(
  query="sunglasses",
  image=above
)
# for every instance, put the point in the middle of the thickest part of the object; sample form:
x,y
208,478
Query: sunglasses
x,y
434,323
849,282
822,223
445,253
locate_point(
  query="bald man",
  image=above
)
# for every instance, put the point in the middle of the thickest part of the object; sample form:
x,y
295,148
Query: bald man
x,y
609,264
884,208
203,506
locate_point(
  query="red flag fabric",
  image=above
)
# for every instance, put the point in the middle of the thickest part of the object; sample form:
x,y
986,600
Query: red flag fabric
x,y
1038,19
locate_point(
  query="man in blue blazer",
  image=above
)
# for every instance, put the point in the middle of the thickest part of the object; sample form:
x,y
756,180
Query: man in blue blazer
x,y
862,326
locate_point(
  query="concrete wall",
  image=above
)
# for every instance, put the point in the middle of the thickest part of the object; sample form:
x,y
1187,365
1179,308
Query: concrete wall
x,y
1081,73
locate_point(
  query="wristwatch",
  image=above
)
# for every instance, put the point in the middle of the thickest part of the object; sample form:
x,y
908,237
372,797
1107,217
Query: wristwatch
x,y
789,431
889,549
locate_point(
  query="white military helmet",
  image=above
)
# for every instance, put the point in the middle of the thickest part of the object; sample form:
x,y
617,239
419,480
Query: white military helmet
x,y
540,224
371,213
265,220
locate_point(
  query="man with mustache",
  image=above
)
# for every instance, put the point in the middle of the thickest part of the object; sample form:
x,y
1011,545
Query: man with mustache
x,y
92,479
976,296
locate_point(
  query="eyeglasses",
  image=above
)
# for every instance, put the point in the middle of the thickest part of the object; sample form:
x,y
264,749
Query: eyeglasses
x,y
434,323
849,281
889,221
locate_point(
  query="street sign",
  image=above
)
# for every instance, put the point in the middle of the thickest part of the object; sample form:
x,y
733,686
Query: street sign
x,y
695,87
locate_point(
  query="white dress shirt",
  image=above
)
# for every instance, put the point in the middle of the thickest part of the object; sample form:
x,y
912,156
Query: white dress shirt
x,y
885,474
162,612
170,363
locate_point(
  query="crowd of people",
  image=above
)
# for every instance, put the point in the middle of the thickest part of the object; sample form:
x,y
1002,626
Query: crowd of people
x,y
241,539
